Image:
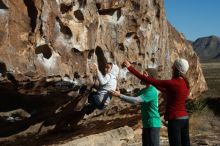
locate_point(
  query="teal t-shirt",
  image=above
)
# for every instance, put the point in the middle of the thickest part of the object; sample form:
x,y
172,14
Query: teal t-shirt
x,y
149,108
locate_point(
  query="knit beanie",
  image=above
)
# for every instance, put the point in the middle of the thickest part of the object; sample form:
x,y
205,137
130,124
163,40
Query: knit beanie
x,y
181,65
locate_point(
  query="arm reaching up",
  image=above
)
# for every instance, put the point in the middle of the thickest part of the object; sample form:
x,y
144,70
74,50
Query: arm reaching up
x,y
102,79
160,84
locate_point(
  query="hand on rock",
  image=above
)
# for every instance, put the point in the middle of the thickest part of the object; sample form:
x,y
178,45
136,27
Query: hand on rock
x,y
94,66
127,63
145,73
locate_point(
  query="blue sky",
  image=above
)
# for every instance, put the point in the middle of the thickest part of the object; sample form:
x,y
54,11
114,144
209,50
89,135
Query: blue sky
x,y
194,18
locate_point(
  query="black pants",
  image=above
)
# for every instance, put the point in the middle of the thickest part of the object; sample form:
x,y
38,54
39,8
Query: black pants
x,y
151,137
94,100
178,132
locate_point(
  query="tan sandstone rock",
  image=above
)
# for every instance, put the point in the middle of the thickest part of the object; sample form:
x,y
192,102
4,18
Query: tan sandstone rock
x,y
46,41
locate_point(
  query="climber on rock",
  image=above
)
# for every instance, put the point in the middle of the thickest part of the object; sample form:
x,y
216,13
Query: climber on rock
x,y
148,99
101,98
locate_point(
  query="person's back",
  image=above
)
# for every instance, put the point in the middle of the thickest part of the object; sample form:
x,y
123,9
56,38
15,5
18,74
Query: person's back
x,y
176,92
149,108
148,99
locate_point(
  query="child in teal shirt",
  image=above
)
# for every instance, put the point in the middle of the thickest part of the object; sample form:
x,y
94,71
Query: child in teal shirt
x,y
148,98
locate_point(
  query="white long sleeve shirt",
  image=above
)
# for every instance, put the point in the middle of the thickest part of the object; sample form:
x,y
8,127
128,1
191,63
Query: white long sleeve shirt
x,y
107,83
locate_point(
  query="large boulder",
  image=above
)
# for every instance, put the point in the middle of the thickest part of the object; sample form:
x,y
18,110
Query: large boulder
x,y
46,48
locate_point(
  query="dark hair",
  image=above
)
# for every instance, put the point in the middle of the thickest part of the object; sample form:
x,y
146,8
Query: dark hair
x,y
178,74
109,63
152,72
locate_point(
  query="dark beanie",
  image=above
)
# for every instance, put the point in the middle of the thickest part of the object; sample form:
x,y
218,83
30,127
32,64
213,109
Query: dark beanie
x,y
152,72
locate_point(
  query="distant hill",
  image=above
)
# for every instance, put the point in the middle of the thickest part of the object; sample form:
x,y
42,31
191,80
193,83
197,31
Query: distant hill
x,y
207,47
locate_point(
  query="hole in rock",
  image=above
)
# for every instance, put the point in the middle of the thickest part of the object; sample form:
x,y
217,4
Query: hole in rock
x,y
66,75
32,13
110,12
141,54
136,5
45,50
98,5
76,51
157,5
121,47
147,54
129,34
2,5
3,68
132,22
41,29
65,8
152,60
112,55
76,75
101,59
158,13
90,54
82,3
79,15
64,29
136,37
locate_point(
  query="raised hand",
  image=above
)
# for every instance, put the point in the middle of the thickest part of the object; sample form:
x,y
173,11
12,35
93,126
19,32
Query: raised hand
x,y
127,63
145,73
94,66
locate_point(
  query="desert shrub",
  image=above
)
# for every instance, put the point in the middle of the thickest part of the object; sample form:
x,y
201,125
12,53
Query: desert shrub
x,y
198,105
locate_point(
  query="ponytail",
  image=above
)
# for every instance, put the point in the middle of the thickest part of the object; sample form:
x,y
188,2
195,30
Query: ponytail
x,y
186,81
178,74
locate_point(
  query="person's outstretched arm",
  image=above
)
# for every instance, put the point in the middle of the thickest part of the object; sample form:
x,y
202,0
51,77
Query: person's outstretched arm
x,y
131,99
160,84
146,96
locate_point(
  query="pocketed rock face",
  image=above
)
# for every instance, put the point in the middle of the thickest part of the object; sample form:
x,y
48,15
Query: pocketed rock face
x,y
183,49
53,40
62,37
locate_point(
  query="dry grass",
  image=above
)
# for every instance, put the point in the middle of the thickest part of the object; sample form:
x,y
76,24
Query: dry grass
x,y
200,122
211,71
205,113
